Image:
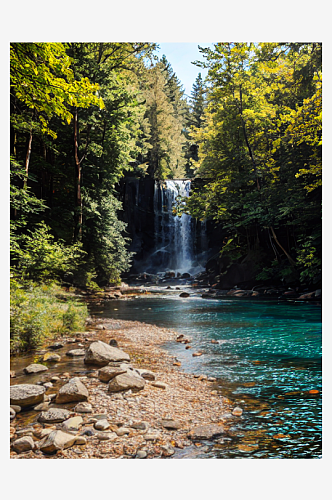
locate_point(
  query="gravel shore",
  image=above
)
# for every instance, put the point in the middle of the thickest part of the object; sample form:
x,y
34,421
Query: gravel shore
x,y
174,411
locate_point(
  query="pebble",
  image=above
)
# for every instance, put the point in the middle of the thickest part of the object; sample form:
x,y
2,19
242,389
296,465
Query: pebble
x,y
237,411
141,454
160,385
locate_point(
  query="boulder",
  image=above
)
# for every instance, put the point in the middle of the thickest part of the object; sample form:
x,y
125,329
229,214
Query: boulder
x,y
56,440
35,368
25,395
99,353
106,373
210,431
53,415
51,357
126,381
25,443
73,391
75,353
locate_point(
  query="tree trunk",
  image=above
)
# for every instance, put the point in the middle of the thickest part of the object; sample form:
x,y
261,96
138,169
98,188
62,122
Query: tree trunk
x,y
247,140
27,160
291,261
78,180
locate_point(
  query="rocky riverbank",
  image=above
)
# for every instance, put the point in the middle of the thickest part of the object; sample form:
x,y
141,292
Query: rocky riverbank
x,y
133,400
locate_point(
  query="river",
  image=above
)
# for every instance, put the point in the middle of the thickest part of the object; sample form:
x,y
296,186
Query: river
x,y
267,360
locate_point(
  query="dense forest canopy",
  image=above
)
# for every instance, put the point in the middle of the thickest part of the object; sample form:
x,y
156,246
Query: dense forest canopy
x,y
84,115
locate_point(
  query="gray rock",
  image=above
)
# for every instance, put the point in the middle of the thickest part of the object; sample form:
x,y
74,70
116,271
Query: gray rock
x,y
171,424
106,373
122,431
56,345
54,415
57,440
99,353
73,391
47,385
102,425
88,432
141,454
23,444
184,294
35,368
146,374
75,353
210,431
12,413
25,395
151,435
125,382
104,436
113,343
80,440
83,408
55,378
142,426
167,450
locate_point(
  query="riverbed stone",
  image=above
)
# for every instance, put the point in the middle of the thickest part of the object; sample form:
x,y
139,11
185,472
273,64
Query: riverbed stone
x,y
83,408
237,411
72,424
73,353
99,353
56,345
184,295
73,391
56,440
146,374
106,373
159,384
102,425
12,413
35,368
25,443
16,408
51,357
42,406
126,381
171,424
210,431
25,395
54,415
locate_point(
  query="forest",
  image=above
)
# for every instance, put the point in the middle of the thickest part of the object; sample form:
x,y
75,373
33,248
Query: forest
x,y
83,116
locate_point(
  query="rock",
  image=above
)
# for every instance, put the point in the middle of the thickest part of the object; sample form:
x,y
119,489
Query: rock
x,y
55,378
47,385
80,440
126,381
179,337
307,296
12,413
42,406
106,373
213,341
171,424
160,385
88,432
237,411
195,354
74,390
57,345
146,374
101,354
102,425
51,357
142,426
152,435
35,368
185,275
184,294
210,431
53,415
27,431
104,436
16,408
23,444
211,379
113,343
25,395
56,440
72,424
167,450
141,454
83,408
122,431
318,293
12,374
75,353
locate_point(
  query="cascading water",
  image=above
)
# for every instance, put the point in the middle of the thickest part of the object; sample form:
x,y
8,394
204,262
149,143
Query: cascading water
x,y
174,234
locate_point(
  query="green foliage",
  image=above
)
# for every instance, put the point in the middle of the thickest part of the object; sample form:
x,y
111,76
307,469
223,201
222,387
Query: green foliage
x,y
40,312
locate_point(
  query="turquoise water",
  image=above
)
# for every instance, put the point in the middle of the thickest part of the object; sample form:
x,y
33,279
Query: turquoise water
x,y
267,359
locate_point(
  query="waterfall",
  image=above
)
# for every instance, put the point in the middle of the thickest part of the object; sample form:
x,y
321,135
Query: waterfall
x,y
174,234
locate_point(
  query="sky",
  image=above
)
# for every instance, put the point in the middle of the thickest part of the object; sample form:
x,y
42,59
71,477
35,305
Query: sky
x,y
180,55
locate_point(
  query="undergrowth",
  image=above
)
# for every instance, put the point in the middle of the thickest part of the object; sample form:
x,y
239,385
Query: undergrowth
x,y
39,312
